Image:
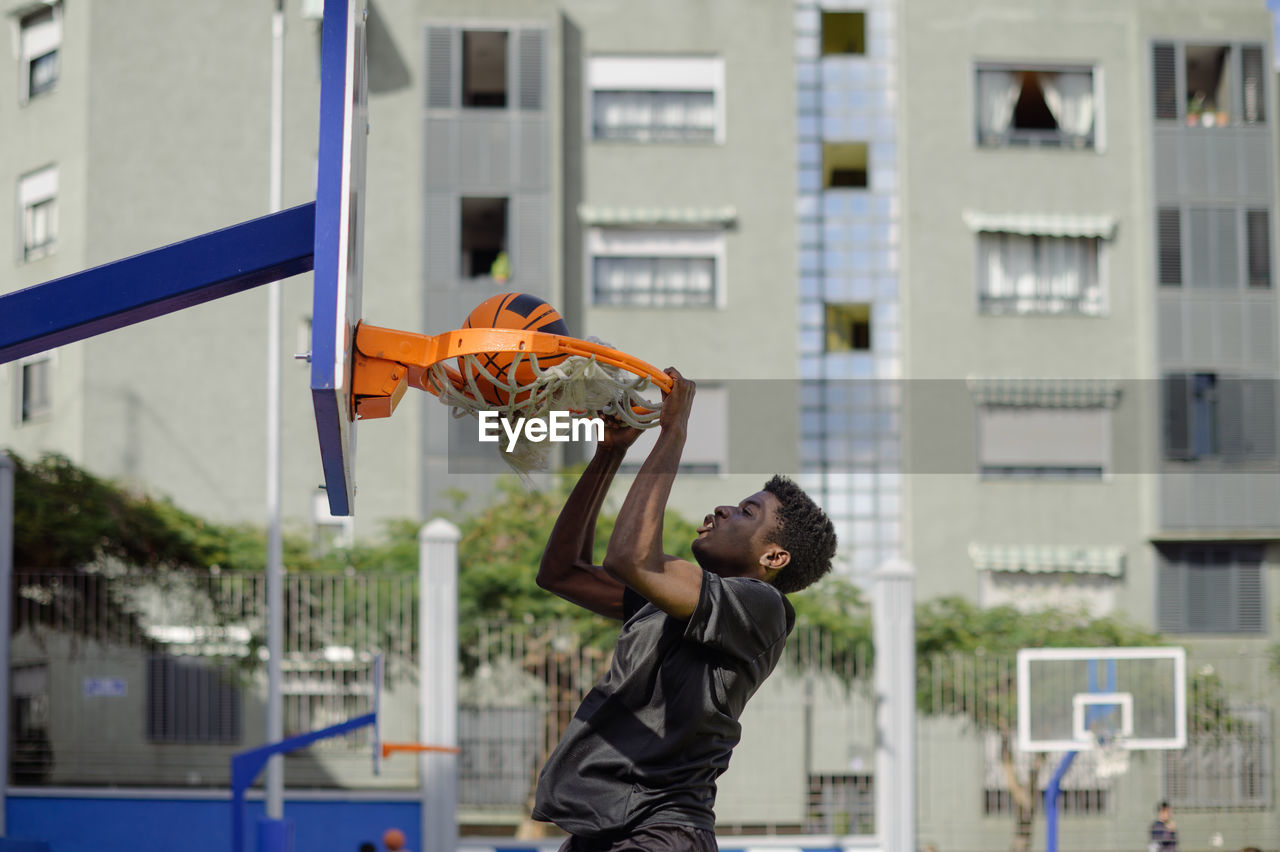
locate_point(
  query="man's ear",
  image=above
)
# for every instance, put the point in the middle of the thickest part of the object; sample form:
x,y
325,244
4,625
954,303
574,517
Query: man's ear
x,y
774,558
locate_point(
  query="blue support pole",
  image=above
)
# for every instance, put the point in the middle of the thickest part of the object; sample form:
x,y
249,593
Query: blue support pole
x,y
248,765
1051,794
157,282
1054,790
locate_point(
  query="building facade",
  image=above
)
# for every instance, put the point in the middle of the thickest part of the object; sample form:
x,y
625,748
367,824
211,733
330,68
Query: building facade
x,y
631,180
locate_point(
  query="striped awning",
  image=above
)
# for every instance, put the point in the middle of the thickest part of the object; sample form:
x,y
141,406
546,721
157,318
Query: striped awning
x,y
1048,559
1045,393
1042,224
683,217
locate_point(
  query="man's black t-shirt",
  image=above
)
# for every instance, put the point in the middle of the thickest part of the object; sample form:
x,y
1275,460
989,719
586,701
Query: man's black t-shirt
x,y
655,732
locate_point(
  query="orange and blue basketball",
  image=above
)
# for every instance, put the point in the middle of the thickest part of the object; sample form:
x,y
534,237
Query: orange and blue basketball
x,y
512,310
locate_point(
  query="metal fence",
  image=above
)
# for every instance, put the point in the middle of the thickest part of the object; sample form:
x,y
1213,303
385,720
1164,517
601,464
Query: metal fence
x,y
125,679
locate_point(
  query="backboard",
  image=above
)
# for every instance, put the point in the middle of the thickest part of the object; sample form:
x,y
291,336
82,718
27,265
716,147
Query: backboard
x,y
339,242
1069,697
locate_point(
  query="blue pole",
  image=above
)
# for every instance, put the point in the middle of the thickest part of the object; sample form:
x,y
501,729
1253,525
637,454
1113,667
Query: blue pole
x,y
1051,795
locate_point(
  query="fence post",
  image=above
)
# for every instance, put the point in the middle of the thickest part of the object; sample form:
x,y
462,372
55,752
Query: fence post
x,y
893,622
438,682
6,598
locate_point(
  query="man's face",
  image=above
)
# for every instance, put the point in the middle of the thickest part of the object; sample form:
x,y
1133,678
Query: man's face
x,y
732,539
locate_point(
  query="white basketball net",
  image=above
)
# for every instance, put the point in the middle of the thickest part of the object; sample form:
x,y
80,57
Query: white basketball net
x,y
578,383
1111,756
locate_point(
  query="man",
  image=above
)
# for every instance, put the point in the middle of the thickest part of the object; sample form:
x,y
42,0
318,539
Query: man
x,y
1164,834
637,767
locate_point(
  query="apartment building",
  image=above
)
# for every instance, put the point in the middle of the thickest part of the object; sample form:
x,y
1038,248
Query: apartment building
x,y
634,168
1090,335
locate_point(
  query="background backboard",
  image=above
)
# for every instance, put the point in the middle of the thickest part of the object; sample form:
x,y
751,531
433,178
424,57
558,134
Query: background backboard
x,y
339,241
1066,696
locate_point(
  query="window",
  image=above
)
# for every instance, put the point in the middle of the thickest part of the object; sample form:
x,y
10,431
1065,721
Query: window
x,y
706,449
1211,253
1084,792
848,327
656,269
1045,107
841,804
477,69
38,201
484,69
1221,85
32,761
39,41
656,99
844,165
321,693
1211,588
1212,416
484,235
34,391
1032,274
844,33
192,701
1036,442
1227,768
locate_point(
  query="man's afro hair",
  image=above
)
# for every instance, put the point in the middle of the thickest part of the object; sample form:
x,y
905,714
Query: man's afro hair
x,y
805,532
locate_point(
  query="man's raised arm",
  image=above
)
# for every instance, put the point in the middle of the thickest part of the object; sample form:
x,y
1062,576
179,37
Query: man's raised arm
x,y
568,566
635,552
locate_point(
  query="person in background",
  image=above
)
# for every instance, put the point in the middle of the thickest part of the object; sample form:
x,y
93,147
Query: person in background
x,y
1164,834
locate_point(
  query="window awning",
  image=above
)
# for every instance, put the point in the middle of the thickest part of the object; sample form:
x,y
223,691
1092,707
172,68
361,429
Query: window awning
x,y
1045,393
682,217
1048,559
1042,224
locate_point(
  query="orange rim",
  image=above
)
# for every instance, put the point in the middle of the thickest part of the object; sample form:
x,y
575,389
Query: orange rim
x,y
423,351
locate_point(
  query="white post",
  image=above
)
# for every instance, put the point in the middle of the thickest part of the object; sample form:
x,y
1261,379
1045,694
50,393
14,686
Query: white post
x,y
6,583
893,621
275,547
438,682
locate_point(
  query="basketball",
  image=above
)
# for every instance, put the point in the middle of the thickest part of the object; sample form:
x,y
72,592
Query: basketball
x,y
393,839
512,310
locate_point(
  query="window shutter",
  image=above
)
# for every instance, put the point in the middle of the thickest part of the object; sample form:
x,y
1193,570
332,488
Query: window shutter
x,y
440,82
1257,227
1176,389
1169,245
1164,63
1252,85
1171,594
1250,607
1231,426
530,56
1259,417
1226,248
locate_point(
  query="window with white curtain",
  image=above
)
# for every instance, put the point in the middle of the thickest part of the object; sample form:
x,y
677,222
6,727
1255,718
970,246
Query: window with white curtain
x,y
656,268
656,99
38,201
1033,274
1044,106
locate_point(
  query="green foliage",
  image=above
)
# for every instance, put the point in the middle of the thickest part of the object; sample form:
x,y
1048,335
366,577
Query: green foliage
x,y
965,654
837,608
499,554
